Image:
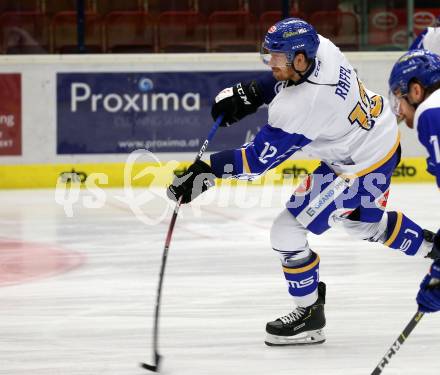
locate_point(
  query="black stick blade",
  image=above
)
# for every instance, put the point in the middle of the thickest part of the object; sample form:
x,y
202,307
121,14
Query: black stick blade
x,y
154,368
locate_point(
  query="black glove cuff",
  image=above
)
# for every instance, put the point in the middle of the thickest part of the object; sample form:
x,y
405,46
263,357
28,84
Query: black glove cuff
x,y
202,167
250,95
255,93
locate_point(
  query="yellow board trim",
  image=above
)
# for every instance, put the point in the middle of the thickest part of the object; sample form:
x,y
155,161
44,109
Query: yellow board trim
x,y
396,230
49,175
303,269
382,161
245,161
28,176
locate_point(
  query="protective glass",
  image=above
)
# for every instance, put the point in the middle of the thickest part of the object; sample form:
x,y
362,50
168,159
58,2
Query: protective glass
x,y
273,59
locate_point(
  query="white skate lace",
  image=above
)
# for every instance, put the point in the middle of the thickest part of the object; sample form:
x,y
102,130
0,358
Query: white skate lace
x,y
293,316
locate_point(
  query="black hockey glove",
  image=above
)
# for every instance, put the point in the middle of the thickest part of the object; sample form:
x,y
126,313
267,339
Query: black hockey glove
x,y
197,179
237,102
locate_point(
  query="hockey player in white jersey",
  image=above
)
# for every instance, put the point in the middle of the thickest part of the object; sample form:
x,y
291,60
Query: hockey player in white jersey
x,y
326,111
428,39
415,94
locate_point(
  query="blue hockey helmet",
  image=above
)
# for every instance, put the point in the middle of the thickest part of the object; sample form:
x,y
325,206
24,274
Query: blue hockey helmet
x,y
419,64
290,36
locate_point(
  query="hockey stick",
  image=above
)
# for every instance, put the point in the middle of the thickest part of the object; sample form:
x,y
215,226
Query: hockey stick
x,y
398,343
157,356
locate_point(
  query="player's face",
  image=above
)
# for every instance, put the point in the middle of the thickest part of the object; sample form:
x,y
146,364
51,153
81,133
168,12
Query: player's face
x,y
402,108
406,112
278,60
279,64
282,74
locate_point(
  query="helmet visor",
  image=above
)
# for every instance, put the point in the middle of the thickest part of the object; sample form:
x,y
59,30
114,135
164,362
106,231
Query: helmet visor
x,y
273,59
395,101
396,104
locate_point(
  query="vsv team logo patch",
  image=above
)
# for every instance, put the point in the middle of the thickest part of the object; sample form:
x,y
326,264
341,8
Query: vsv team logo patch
x,y
305,187
382,200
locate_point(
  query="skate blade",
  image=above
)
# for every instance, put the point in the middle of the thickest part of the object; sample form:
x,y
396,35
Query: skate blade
x,y
305,338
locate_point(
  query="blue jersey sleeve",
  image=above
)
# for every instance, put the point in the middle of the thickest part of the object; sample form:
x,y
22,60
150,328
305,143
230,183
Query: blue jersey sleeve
x,y
270,147
418,42
267,84
428,129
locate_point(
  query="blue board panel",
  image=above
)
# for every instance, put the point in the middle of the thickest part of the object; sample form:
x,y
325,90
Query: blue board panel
x,y
101,113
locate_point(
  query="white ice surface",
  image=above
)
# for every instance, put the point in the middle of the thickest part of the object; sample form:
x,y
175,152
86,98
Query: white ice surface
x,y
223,283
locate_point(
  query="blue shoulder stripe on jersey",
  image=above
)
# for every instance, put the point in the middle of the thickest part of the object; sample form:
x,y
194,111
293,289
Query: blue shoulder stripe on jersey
x,y
418,42
270,147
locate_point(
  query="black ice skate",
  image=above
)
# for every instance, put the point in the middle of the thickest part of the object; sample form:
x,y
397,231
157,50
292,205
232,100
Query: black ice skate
x,y
303,326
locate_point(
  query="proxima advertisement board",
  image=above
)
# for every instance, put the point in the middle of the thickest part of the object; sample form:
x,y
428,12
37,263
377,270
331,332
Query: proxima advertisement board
x,y
161,112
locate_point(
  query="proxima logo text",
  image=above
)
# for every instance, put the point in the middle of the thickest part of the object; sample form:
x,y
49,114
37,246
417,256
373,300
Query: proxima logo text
x,y
81,94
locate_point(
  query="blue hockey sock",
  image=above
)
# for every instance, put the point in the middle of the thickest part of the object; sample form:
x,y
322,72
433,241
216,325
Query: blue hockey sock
x,y
302,281
403,234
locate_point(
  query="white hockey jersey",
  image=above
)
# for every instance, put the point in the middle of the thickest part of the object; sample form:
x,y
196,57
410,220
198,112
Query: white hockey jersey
x,y
429,39
427,123
330,115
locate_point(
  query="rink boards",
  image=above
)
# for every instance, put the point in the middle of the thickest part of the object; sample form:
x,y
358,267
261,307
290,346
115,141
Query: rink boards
x,y
145,174
67,119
